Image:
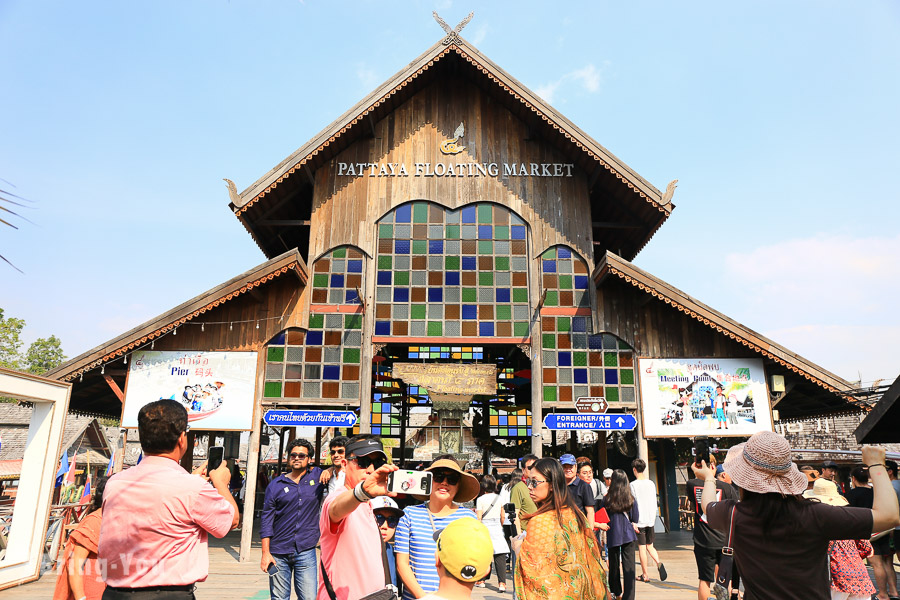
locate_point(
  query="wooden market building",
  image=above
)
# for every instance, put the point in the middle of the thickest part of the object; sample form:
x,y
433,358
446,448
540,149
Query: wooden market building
x,y
451,216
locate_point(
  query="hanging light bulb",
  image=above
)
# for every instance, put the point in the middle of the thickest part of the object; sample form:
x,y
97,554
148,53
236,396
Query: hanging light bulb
x,y
202,327
152,343
175,331
257,324
81,378
125,360
231,326
102,369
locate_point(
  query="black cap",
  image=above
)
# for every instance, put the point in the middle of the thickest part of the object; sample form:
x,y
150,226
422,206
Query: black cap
x,y
365,447
829,464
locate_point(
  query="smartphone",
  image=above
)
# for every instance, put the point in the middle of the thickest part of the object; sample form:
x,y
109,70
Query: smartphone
x,y
701,451
215,458
273,568
410,482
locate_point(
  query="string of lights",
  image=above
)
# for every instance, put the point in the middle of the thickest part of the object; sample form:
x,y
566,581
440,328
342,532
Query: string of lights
x,y
174,332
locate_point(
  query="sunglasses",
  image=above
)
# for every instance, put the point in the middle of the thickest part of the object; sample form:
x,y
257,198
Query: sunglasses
x,y
533,483
337,451
391,521
364,462
530,466
301,456
451,477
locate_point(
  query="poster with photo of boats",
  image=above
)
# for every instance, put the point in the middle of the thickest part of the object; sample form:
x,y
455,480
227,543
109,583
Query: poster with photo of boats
x,y
715,397
216,388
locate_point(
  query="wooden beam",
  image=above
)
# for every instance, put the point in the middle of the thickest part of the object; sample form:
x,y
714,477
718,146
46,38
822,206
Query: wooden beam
x,y
284,222
613,225
115,387
309,175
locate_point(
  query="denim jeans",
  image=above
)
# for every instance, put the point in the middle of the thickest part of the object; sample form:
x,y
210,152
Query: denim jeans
x,y
303,566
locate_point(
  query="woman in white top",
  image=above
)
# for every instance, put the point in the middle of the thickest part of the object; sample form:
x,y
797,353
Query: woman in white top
x,y
489,509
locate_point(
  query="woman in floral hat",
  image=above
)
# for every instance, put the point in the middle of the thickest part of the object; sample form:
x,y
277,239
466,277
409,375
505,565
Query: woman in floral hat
x,y
780,539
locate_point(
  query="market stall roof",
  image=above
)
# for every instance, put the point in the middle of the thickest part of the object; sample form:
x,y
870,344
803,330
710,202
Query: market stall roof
x,y
275,208
800,401
92,396
882,425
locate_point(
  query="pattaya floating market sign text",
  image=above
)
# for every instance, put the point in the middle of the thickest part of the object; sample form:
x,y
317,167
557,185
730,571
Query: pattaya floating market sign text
x,y
449,169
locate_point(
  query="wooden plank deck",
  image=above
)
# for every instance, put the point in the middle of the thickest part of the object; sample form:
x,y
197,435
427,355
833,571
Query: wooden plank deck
x,y
230,579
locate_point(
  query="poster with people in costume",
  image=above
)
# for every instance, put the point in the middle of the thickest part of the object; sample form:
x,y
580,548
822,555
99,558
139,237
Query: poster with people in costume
x,y
716,397
216,388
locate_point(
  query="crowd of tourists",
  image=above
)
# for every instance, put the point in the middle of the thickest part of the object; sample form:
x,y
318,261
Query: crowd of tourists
x,y
763,526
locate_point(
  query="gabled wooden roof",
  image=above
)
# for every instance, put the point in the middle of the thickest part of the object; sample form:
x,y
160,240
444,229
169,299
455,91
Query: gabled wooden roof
x,y
141,335
612,265
882,425
644,199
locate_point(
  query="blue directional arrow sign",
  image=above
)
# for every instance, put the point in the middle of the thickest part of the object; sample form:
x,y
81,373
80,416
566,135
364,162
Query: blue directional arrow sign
x,y
310,418
605,422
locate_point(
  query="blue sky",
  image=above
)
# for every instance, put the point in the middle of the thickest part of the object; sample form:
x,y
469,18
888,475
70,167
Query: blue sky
x,y
119,121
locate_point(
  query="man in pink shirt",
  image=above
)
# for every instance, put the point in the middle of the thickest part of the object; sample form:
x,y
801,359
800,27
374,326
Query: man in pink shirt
x,y
156,516
350,540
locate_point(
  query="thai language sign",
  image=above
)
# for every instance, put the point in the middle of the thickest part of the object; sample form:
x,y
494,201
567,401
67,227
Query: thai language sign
x,y
717,397
310,418
216,388
449,379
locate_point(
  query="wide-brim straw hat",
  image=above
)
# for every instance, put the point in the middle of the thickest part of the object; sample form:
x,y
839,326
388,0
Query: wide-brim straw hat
x,y
468,486
826,492
763,465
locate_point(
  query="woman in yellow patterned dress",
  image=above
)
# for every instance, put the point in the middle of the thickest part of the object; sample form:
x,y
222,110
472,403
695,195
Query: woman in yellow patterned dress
x,y
559,558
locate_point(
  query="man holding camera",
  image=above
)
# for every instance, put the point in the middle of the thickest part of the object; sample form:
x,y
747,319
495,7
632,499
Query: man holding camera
x,y
156,516
350,541
289,526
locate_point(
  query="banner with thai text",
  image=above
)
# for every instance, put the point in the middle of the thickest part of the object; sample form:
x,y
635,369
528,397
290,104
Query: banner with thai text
x,y
216,388
715,397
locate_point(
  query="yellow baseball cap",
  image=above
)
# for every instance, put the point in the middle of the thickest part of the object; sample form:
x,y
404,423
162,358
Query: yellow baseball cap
x,y
465,549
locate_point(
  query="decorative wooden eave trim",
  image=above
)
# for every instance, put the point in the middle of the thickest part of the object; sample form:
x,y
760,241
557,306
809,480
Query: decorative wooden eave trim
x,y
289,262
719,323
581,140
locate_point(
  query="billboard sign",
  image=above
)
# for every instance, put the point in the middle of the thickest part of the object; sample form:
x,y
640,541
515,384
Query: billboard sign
x,y
216,388
716,397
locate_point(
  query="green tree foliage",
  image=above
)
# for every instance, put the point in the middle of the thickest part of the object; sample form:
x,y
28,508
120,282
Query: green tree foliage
x,y
42,355
10,341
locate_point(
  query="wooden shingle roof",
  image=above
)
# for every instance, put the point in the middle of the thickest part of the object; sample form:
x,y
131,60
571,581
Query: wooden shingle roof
x,y
611,265
141,335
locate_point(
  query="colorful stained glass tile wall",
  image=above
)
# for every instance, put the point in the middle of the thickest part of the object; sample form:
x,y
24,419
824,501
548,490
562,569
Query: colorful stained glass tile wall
x,y
320,363
577,363
564,277
504,423
443,273
338,276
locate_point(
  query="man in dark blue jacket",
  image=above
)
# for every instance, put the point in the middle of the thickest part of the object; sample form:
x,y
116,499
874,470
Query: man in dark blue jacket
x,y
289,526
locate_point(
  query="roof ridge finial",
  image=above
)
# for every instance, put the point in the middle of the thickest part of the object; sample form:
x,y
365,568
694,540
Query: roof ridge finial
x,y
452,34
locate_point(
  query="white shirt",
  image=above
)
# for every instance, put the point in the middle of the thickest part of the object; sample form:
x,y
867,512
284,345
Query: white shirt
x,y
336,482
644,492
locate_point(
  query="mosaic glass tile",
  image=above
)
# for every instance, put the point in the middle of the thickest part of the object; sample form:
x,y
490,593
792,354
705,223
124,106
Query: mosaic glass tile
x,y
564,276
474,256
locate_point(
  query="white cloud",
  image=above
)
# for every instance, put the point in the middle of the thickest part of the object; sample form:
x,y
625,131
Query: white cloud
x,y
589,78
367,76
830,298
479,35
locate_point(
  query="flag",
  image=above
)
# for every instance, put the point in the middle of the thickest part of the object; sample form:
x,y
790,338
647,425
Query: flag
x,y
109,467
70,478
86,496
63,467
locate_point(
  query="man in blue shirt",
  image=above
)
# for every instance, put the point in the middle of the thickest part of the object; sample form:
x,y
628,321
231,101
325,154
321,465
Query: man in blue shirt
x,y
289,526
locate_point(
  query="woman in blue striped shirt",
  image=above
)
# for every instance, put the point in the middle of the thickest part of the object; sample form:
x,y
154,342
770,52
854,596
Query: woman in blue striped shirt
x,y
414,544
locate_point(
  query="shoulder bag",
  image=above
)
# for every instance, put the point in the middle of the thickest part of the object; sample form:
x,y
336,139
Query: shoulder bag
x,y
723,577
388,593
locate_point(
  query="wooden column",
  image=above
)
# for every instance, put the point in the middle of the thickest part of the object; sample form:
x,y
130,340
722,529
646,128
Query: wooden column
x,y
365,364
537,362
252,461
187,461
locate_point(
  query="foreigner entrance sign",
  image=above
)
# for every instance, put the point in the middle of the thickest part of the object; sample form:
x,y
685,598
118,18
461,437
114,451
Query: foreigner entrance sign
x,y
604,422
310,418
